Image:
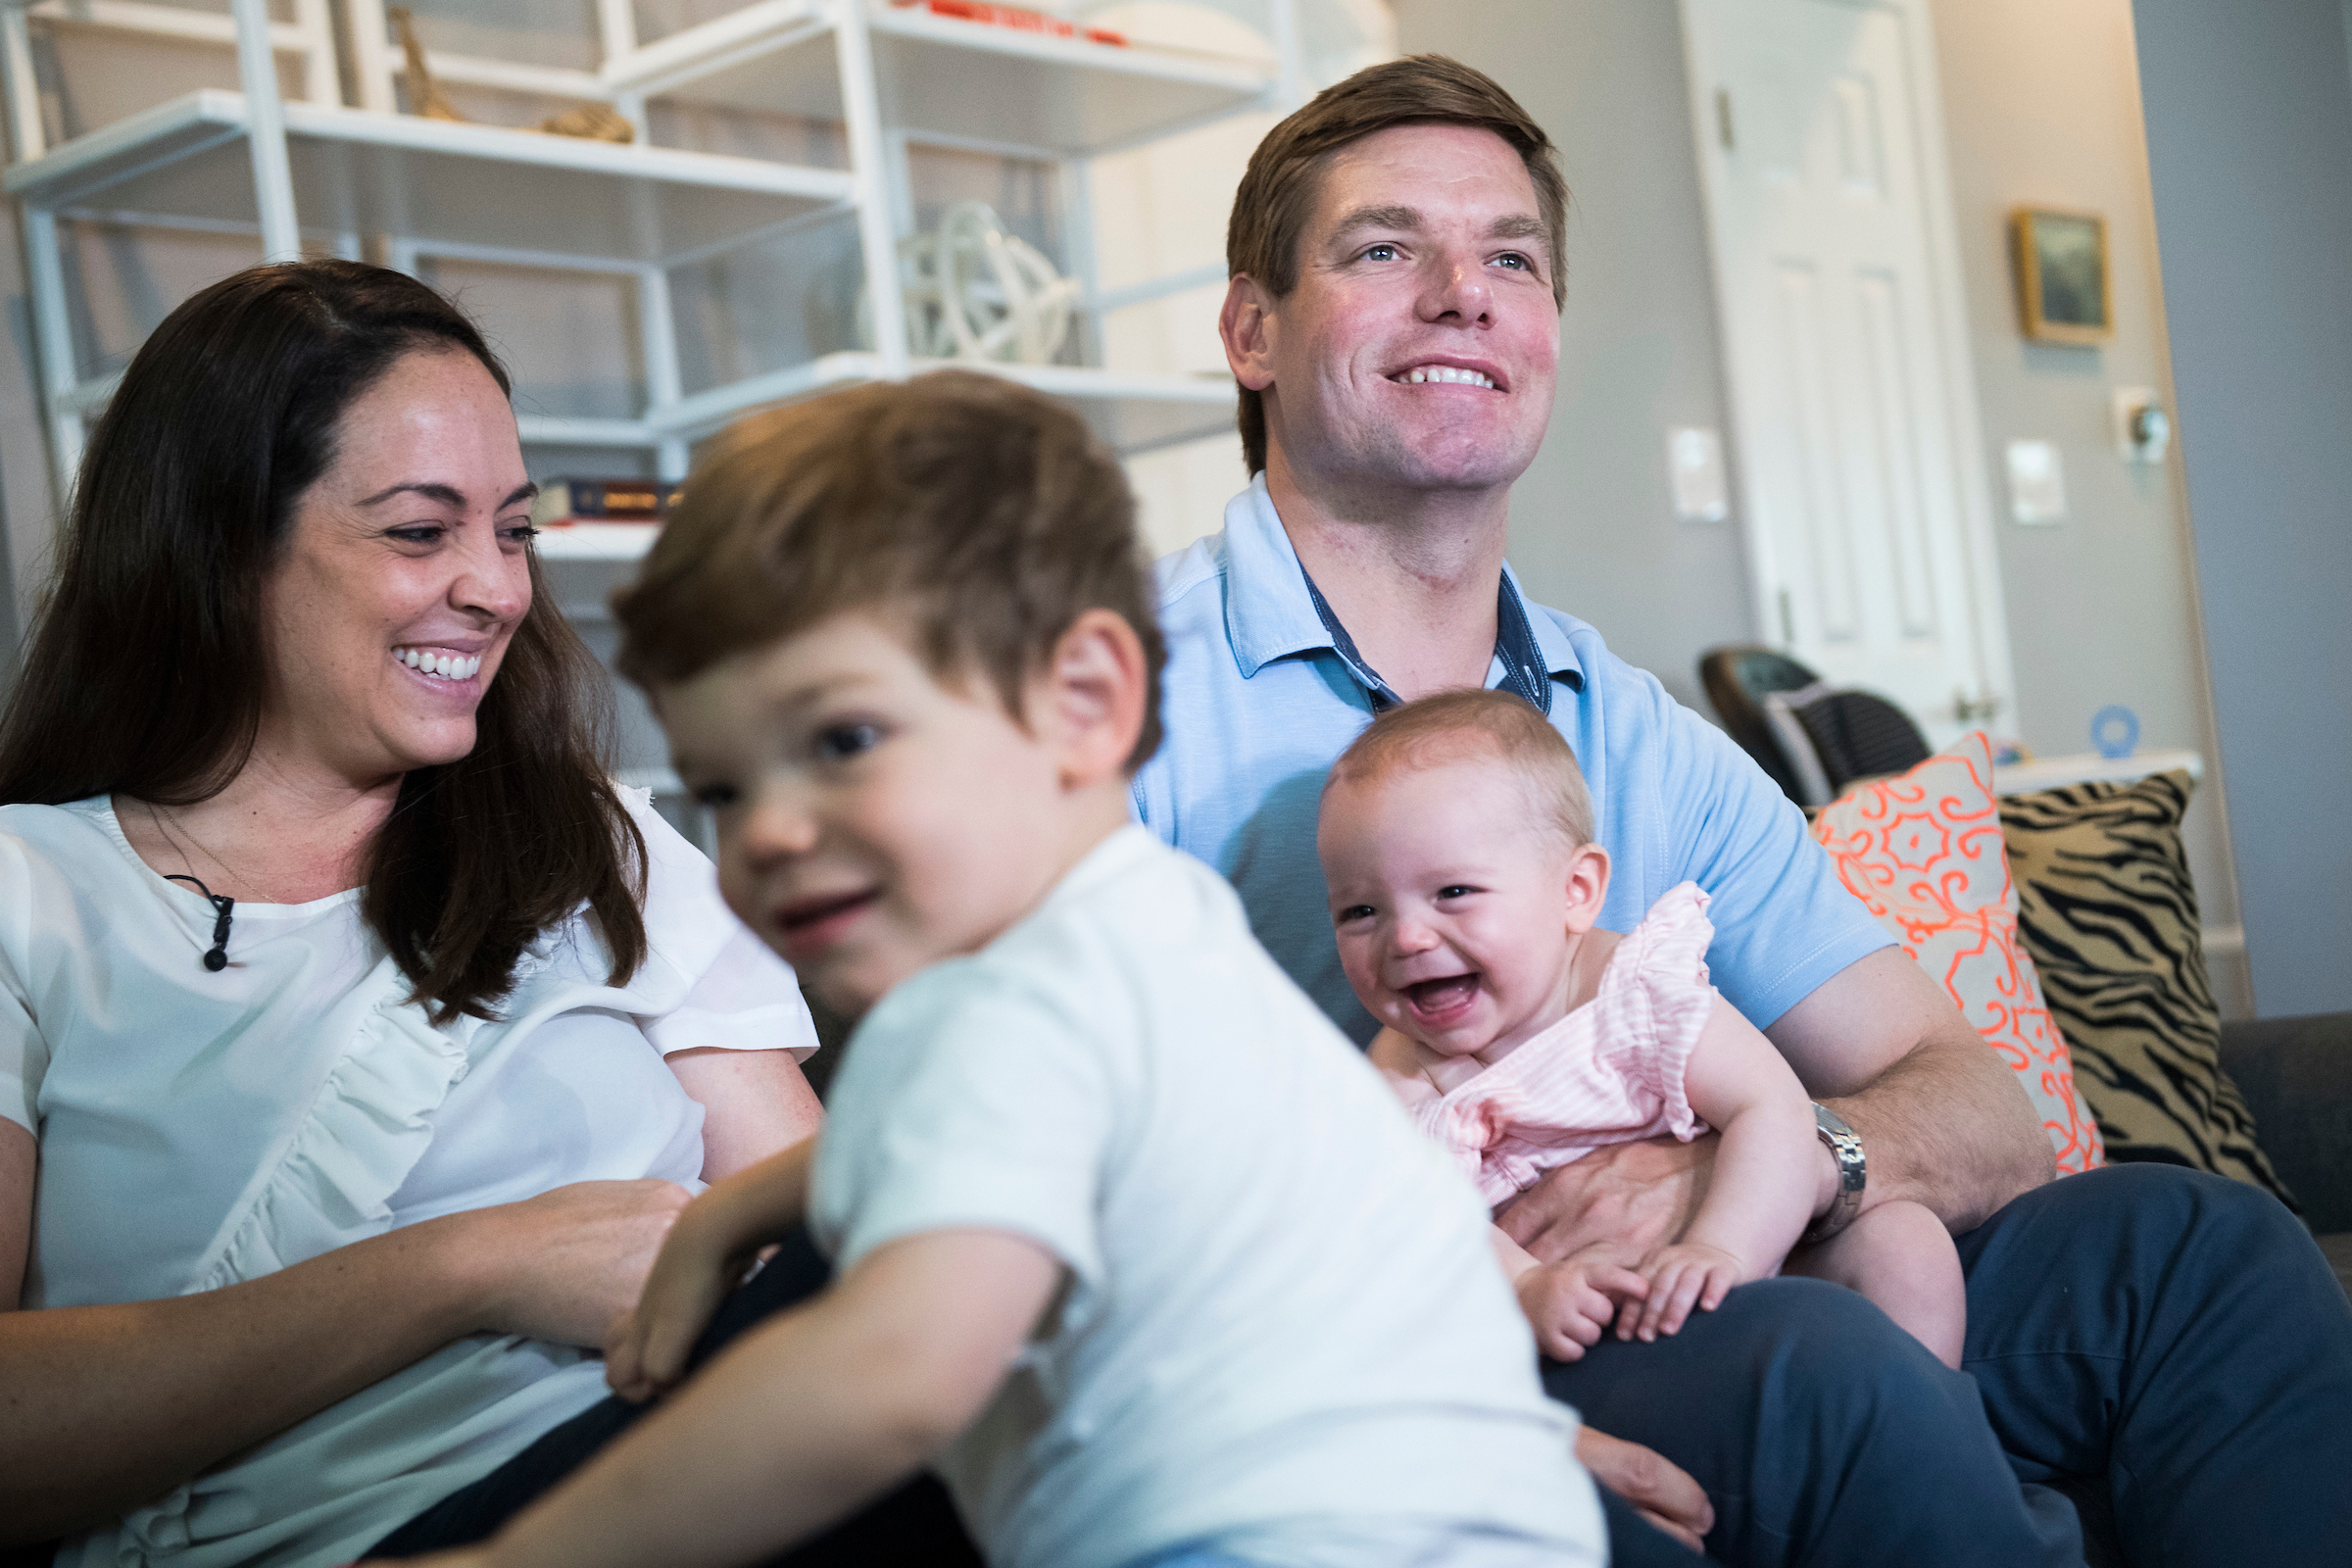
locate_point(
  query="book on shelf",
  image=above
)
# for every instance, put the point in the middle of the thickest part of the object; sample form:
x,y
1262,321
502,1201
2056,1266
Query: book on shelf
x,y
565,501
1019,18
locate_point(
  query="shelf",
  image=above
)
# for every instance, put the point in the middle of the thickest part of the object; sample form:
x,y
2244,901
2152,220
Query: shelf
x,y
977,80
357,173
2054,772
596,541
1132,413
945,78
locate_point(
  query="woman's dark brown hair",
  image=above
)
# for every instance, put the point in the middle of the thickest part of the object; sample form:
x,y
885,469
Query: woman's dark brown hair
x,y
145,674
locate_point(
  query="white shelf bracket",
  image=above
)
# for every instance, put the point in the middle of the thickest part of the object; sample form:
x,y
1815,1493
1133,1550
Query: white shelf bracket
x,y
266,133
877,237
1290,56
25,131
53,334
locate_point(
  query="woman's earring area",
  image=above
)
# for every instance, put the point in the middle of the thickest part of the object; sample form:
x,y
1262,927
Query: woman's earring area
x,y
216,959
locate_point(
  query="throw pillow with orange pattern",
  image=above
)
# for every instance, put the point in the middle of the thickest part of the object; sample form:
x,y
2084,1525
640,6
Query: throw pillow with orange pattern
x,y
1924,851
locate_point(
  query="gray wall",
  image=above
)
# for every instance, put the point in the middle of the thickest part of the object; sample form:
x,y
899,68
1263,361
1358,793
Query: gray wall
x,y
2041,105
1593,525
2102,605
2249,120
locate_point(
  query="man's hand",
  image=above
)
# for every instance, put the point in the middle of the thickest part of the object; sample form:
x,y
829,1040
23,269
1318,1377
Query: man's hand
x,y
1634,1196
1658,1489
1569,1303
1685,1275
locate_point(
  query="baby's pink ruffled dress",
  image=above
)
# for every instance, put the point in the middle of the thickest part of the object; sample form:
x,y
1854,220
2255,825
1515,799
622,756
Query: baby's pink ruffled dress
x,y
1610,1072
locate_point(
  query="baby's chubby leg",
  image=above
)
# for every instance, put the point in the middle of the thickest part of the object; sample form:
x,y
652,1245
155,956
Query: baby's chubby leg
x,y
1902,1259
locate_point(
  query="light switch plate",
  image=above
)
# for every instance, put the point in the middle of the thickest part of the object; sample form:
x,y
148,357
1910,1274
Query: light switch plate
x,y
2037,482
2130,444
1695,460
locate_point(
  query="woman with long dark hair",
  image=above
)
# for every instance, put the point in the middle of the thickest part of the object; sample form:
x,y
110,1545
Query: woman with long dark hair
x,y
359,1038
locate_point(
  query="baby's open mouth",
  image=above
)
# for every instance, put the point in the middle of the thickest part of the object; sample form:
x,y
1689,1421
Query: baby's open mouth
x,y
1440,996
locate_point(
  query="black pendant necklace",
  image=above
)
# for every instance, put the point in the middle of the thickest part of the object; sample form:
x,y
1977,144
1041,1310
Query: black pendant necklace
x,y
218,959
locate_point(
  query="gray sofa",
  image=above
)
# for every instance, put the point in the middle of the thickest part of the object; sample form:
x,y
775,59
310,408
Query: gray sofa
x,y
2296,1074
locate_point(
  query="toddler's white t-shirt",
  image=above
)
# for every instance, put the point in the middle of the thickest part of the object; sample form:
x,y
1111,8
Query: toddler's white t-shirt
x,y
1282,1307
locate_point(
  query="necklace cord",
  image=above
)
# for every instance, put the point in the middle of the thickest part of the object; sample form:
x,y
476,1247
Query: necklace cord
x,y
216,959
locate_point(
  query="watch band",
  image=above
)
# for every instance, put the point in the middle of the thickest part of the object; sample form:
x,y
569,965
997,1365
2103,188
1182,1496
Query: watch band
x,y
1853,1171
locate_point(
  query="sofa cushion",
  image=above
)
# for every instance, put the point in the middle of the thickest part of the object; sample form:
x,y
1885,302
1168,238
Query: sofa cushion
x,y
2110,916
1924,851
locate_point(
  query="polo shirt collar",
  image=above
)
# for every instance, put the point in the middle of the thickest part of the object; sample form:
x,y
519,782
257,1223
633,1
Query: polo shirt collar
x,y
1269,612
1273,611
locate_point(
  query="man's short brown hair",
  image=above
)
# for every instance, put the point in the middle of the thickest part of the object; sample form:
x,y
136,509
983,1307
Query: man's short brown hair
x,y
1285,179
1494,726
983,516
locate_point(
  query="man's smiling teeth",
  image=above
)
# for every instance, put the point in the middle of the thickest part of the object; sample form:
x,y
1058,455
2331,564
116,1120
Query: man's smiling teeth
x,y
1454,374
445,666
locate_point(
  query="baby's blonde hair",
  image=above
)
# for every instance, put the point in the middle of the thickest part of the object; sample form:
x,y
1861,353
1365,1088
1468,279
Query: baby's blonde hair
x,y
1465,725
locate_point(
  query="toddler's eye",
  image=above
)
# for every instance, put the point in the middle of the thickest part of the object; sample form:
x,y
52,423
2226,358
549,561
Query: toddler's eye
x,y
1355,912
716,797
848,740
1456,890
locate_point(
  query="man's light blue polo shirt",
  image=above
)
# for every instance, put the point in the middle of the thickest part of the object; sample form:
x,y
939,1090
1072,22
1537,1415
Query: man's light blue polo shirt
x,y
1259,701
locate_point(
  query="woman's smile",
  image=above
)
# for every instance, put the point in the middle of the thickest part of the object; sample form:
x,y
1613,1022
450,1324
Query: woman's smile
x,y
441,664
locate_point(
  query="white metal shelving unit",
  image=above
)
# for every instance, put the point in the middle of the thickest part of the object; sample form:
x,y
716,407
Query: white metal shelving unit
x,y
312,173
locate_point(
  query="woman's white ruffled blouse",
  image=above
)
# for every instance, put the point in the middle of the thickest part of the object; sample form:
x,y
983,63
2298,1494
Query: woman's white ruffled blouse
x,y
197,1129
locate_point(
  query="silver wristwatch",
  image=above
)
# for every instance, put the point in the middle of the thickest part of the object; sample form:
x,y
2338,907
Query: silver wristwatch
x,y
1852,1172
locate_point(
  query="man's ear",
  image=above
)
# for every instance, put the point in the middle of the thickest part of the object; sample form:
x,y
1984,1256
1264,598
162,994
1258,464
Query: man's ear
x,y
1587,886
1088,701
1246,326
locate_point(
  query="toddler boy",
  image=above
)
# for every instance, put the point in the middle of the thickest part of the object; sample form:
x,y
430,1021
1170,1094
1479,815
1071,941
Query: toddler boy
x,y
901,640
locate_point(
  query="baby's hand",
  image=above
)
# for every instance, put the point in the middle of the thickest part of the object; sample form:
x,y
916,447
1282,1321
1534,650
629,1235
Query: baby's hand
x,y
1569,1303
1680,1277
647,1350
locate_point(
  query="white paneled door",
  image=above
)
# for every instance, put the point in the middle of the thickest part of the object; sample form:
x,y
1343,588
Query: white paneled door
x,y
1868,514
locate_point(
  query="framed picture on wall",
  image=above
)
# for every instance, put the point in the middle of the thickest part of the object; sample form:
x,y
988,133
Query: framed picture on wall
x,y
2063,292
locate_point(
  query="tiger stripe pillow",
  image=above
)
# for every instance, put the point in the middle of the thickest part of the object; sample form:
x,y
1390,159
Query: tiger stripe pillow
x,y
2110,915
1924,851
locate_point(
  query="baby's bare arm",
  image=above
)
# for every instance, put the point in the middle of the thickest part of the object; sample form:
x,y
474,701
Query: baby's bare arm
x,y
705,1254
1766,1182
1400,1062
1767,1176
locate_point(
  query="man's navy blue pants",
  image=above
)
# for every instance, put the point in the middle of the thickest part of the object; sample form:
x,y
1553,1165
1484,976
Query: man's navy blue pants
x,y
2160,1338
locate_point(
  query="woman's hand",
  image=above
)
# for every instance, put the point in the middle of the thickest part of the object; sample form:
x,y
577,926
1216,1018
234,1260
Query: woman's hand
x,y
563,1266
646,1353
703,1258
1660,1490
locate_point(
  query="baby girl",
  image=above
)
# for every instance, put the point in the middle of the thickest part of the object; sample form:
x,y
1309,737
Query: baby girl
x,y
1456,840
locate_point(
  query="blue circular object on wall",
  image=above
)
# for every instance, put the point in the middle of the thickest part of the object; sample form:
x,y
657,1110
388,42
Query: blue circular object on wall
x,y
2115,730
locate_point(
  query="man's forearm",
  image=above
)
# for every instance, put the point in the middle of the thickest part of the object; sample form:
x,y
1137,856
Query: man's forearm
x,y
1948,1126
1943,1119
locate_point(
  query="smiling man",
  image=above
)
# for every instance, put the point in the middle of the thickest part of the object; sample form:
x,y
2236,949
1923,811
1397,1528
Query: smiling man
x,y
1393,320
